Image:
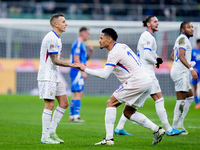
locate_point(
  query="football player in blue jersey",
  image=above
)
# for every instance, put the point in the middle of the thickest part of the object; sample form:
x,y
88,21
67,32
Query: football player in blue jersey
x,y
196,58
79,54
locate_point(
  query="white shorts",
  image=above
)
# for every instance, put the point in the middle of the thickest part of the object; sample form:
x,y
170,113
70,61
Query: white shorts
x,y
181,80
48,90
132,95
155,86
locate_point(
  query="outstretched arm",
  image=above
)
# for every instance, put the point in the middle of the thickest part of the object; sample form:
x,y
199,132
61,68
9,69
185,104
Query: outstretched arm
x,y
61,61
101,73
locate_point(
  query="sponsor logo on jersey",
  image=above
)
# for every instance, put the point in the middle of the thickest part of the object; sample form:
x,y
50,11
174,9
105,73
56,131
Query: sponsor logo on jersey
x,y
51,93
51,46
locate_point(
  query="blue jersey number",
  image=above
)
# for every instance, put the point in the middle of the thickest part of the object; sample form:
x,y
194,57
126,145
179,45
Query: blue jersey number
x,y
136,59
176,54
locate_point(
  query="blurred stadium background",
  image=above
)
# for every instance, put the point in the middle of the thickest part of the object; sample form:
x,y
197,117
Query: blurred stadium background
x,y
23,24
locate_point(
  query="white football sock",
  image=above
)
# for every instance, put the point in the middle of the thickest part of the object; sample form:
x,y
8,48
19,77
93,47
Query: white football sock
x,y
121,122
186,107
57,116
162,114
178,110
144,121
46,120
110,117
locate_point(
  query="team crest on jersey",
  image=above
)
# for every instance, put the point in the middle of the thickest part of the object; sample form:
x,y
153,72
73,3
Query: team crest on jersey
x,y
51,46
157,87
51,93
148,42
181,41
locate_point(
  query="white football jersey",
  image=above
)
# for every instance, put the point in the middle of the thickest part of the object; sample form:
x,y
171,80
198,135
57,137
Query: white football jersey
x,y
181,42
147,42
127,65
51,44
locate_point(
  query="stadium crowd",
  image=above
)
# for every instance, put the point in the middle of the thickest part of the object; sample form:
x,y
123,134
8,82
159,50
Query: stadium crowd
x,y
166,10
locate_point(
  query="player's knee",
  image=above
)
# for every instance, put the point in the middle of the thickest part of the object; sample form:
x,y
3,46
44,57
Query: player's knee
x,y
128,111
49,104
64,104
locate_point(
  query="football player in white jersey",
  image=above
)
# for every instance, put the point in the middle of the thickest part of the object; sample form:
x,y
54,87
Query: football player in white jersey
x,y
135,87
49,83
181,68
146,51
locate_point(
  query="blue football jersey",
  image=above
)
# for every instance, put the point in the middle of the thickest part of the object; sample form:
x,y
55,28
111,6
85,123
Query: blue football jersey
x,y
196,57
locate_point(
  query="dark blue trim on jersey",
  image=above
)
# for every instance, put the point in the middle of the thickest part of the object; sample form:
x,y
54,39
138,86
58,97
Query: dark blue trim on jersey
x,y
110,65
55,33
114,45
182,48
123,67
150,33
53,52
147,49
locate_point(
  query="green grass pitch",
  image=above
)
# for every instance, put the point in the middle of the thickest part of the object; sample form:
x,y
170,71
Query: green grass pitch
x,y
20,126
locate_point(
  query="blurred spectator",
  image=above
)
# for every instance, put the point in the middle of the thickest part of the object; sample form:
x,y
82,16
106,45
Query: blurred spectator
x,y
49,6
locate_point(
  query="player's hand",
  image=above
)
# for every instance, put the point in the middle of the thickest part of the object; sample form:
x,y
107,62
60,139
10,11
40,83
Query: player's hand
x,y
157,65
159,61
194,75
80,67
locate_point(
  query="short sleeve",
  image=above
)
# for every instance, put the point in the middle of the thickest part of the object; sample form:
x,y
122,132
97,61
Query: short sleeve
x,y
52,46
113,59
182,43
147,43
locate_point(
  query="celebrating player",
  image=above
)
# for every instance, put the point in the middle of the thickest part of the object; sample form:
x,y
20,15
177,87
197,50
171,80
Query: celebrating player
x,y
135,87
180,74
146,51
49,83
78,55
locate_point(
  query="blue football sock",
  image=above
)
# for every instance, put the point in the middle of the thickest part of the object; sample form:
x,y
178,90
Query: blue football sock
x,y
77,107
196,99
71,110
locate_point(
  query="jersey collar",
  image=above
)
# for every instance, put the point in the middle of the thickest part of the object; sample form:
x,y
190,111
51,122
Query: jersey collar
x,y
150,33
184,34
114,45
55,33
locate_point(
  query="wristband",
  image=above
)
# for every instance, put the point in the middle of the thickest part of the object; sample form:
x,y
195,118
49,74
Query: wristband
x,y
191,68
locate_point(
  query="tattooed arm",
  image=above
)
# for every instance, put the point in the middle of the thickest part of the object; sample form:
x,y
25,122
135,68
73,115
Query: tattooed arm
x,y
61,61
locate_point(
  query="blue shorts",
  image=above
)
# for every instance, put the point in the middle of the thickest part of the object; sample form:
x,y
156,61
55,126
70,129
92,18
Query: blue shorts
x,y
194,82
77,81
